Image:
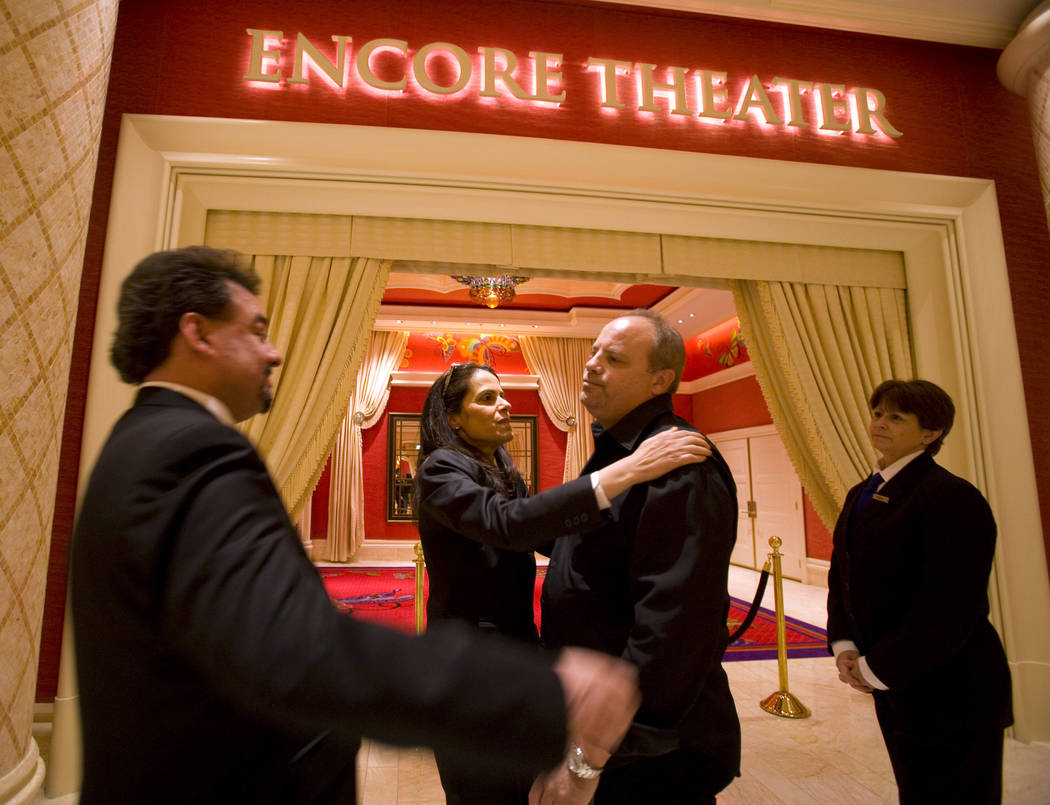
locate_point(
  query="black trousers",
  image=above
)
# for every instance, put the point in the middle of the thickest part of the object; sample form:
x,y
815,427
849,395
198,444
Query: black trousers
x,y
962,764
321,771
469,787
682,777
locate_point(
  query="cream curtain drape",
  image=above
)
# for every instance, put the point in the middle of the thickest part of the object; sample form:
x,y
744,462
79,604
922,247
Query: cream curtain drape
x,y
559,364
346,521
818,351
321,311
823,333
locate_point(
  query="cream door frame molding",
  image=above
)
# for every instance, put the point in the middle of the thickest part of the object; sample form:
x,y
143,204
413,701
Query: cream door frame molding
x,y
171,170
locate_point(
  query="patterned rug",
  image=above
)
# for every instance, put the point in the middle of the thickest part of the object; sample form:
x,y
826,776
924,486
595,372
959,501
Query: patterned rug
x,y
386,595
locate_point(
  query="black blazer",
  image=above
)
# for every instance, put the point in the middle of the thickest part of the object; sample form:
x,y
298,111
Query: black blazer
x,y
478,543
908,584
210,657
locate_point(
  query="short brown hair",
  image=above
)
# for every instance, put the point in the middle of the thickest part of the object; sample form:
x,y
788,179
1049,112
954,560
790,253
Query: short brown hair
x,y
668,349
928,401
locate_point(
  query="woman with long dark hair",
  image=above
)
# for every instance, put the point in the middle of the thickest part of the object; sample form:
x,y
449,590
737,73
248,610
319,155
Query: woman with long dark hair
x,y
478,526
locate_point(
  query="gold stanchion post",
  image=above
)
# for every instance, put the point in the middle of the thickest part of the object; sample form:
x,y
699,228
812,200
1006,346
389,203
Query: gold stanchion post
x,y
420,570
782,703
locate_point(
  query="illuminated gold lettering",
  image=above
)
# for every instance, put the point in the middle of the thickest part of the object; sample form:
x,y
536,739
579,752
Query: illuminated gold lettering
x,y
648,86
547,69
832,102
459,55
259,55
793,90
609,69
710,94
491,71
444,69
304,47
866,111
755,97
364,63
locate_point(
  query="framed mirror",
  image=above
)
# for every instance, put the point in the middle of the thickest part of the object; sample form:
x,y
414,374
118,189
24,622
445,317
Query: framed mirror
x,y
403,457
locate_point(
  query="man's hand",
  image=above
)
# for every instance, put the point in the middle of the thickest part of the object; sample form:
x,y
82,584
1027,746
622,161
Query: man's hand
x,y
562,787
601,696
848,663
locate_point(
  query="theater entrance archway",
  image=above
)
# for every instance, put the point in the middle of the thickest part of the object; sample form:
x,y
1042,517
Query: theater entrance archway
x,y
171,171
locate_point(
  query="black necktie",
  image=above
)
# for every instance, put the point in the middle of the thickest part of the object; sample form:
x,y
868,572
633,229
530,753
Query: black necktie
x,y
866,493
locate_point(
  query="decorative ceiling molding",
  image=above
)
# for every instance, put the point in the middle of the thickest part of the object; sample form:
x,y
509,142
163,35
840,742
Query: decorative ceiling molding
x,y
575,323
691,311
979,23
719,378
444,284
426,380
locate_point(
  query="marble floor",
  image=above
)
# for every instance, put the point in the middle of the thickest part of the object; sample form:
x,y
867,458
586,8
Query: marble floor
x,y
834,757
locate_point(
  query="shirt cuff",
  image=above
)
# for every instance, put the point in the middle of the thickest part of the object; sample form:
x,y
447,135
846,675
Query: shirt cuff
x,y
599,493
869,676
843,645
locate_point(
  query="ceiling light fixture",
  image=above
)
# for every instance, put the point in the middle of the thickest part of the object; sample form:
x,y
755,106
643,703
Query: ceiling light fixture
x,y
491,291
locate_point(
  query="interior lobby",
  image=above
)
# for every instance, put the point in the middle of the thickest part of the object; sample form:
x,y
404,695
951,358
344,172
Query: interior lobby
x,y
697,146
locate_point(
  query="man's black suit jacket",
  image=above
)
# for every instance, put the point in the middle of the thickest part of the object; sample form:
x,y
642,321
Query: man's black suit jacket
x,y
908,584
650,586
210,657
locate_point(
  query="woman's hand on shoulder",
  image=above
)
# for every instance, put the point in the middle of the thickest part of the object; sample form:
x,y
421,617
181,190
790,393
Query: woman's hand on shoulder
x,y
668,450
658,455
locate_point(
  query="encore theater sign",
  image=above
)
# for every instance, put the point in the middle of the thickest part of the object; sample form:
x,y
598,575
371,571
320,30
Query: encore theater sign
x,y
442,70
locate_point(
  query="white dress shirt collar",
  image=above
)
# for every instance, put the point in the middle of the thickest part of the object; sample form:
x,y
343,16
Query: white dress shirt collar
x,y
213,405
896,466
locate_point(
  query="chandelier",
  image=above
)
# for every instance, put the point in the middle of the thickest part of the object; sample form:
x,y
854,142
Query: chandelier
x,y
491,291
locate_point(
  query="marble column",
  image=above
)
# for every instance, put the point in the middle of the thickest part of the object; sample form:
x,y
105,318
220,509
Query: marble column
x,y
54,67
1024,68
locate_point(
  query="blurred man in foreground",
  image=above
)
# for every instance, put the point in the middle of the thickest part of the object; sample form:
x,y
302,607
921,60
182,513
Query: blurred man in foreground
x,y
212,666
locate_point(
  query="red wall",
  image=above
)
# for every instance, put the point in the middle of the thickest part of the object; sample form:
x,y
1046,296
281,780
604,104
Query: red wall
x,y
715,349
186,57
435,351
818,536
319,504
376,467
732,405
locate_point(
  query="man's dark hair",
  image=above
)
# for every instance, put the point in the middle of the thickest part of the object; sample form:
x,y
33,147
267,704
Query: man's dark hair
x,y
159,290
668,350
929,402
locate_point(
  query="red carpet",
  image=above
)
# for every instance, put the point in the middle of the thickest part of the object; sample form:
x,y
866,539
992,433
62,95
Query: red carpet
x,y
386,595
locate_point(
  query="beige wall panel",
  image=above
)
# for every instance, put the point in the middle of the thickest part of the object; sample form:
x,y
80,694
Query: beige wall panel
x,y
419,239
54,68
279,233
743,259
587,250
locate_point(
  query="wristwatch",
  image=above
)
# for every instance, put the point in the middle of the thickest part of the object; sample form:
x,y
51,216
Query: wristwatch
x,y
579,766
